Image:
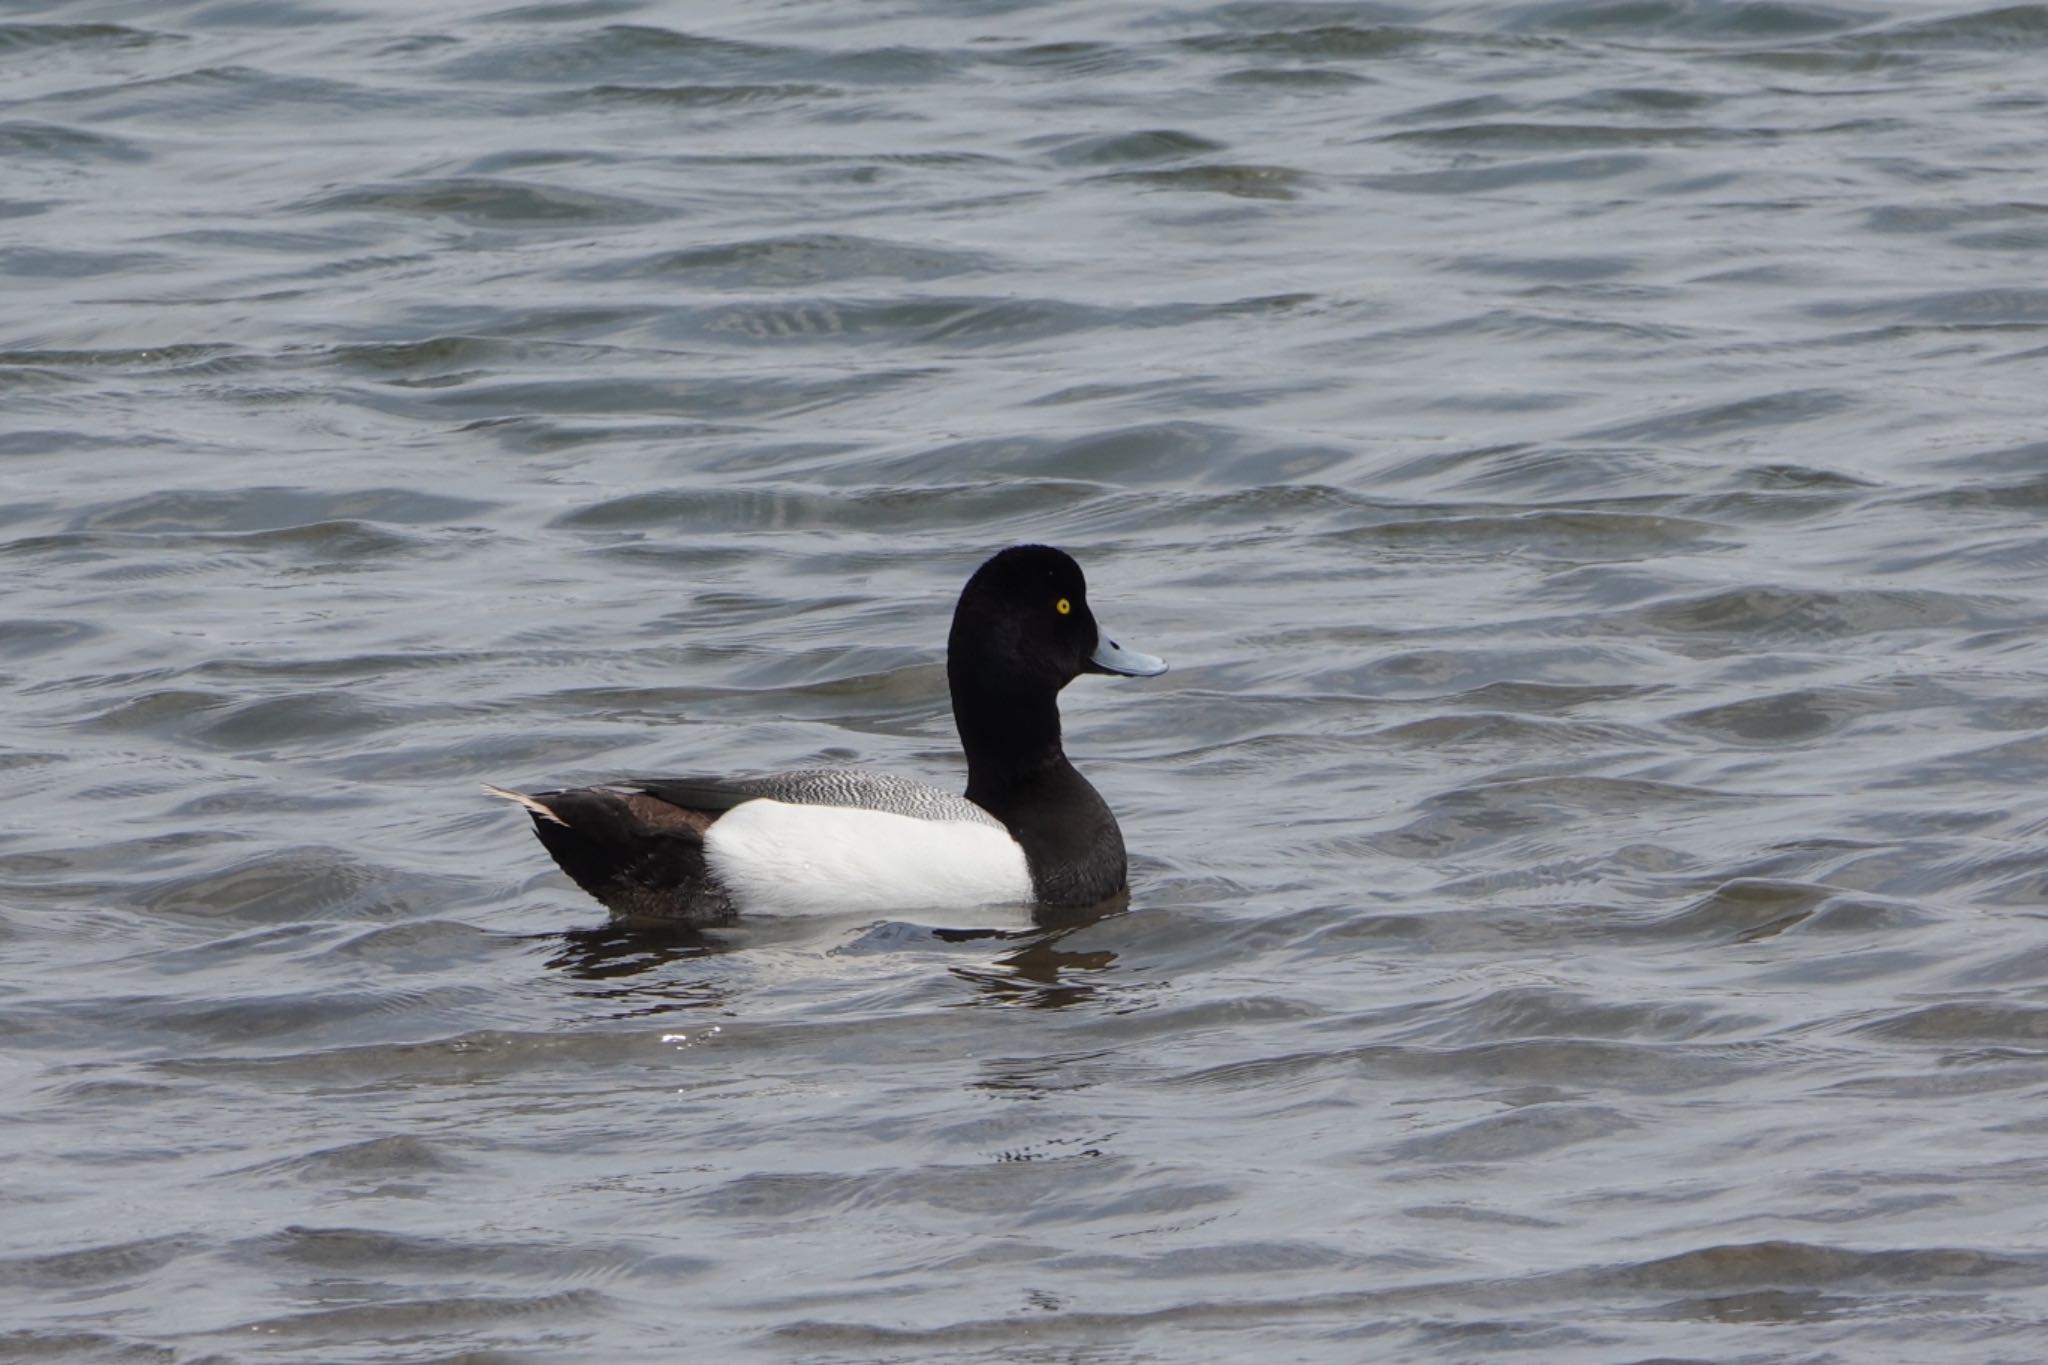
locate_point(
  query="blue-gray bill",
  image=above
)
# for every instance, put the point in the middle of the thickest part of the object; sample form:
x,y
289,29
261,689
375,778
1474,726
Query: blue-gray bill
x,y
1111,657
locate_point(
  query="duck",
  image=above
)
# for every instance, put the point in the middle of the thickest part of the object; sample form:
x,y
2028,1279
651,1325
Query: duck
x,y
1029,830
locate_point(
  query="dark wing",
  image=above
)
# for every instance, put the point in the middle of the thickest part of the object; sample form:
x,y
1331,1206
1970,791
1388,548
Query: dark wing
x,y
641,856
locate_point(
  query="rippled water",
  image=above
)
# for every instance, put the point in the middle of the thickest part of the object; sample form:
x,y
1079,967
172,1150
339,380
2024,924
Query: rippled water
x,y
1585,461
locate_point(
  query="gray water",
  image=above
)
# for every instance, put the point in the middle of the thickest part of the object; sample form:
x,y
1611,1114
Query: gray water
x,y
1585,462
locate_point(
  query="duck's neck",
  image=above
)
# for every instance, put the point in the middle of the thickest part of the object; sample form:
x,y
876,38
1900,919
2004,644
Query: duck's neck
x,y
1018,772
1012,742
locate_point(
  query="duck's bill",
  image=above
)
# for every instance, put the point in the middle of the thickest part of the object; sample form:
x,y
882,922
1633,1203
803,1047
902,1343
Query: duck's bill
x,y
1111,657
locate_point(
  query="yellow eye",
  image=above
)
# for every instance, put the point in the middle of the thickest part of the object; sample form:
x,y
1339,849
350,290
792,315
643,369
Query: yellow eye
x,y
1063,606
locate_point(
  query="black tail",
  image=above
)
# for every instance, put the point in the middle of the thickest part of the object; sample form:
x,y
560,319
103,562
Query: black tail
x,y
640,856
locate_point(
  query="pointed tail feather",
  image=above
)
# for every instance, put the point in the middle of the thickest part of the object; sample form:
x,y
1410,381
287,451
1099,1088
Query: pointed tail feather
x,y
540,809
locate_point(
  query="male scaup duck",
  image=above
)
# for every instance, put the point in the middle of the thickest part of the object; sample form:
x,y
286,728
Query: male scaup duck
x,y
1029,830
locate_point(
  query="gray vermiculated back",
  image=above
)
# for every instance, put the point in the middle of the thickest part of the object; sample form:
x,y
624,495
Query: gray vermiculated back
x,y
868,790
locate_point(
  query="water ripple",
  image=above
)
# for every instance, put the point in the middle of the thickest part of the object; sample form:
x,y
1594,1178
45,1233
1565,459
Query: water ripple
x,y
1581,458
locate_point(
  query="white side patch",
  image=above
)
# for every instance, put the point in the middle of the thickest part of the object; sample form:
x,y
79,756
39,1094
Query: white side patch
x,y
777,858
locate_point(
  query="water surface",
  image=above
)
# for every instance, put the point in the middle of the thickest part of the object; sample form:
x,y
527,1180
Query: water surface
x,y
1584,461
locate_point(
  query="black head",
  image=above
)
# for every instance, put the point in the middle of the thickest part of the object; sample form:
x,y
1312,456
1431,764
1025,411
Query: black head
x,y
1023,631
1023,624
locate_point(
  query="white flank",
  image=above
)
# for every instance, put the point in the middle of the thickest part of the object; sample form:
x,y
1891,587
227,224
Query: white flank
x,y
777,858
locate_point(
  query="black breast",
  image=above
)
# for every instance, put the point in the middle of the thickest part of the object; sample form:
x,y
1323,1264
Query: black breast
x,y
1070,839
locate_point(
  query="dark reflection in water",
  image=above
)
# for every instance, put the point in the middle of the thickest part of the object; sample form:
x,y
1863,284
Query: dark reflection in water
x,y
637,972
1040,975
612,951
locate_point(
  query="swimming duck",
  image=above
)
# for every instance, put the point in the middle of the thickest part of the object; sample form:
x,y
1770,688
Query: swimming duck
x,y
1029,830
